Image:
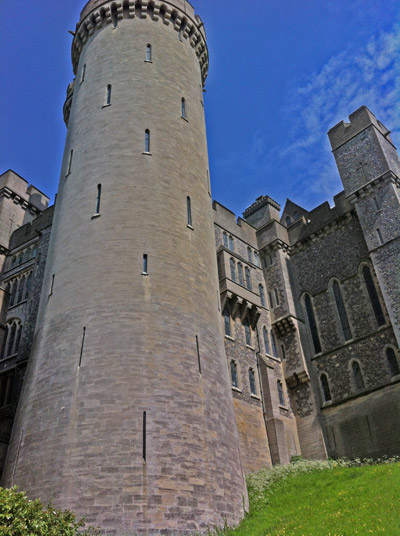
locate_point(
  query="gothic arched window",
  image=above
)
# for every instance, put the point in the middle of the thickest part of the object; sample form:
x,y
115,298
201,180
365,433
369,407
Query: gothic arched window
x,y
341,309
262,295
266,341
273,344
234,375
280,393
231,245
357,376
248,278
250,254
233,269
252,381
247,332
325,388
227,322
392,362
225,238
312,323
373,296
240,272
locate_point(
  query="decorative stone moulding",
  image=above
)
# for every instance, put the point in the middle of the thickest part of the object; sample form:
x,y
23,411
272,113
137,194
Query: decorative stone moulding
x,y
367,189
102,14
25,205
323,232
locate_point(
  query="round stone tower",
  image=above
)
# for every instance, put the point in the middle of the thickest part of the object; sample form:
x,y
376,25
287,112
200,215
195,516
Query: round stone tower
x,y
126,415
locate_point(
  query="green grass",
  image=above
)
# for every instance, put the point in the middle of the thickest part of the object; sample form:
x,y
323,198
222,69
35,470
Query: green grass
x,y
325,501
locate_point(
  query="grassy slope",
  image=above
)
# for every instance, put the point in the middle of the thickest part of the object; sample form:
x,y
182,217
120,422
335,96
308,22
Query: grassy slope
x,y
340,502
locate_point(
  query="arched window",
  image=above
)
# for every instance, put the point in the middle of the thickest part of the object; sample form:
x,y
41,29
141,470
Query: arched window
x,y
373,296
357,376
227,322
12,338
147,141
248,278
247,332
225,238
296,215
34,251
12,291
189,211
280,393
288,220
108,95
148,52
252,381
312,324
273,344
98,199
21,290
262,295
344,321
257,259
250,254
325,388
233,269
266,341
392,362
183,108
231,245
234,375
240,272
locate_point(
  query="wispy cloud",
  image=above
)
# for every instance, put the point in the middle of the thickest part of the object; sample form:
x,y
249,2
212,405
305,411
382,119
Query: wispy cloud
x,y
370,77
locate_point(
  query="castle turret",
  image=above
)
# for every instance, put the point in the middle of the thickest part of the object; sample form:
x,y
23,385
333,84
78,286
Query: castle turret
x,y
369,167
127,414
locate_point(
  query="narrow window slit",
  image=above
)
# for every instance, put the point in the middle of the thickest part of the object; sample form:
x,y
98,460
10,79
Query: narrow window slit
x,y
82,346
71,155
147,141
148,53
380,237
144,436
145,264
189,212
108,95
198,353
98,200
83,73
52,285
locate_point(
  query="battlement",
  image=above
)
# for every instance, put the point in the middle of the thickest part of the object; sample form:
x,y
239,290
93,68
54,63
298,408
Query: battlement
x,y
180,13
359,120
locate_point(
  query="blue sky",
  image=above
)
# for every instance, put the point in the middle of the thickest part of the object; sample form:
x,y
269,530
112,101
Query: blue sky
x,y
281,74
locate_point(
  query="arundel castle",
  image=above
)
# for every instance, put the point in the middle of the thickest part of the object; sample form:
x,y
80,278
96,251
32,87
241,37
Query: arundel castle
x,y
155,348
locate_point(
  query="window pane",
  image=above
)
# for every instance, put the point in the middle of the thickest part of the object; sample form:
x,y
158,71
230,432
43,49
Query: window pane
x,y
252,381
234,375
341,311
233,269
266,342
325,388
312,324
227,322
373,296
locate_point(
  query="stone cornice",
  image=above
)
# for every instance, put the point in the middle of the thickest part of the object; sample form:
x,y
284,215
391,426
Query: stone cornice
x,y
170,14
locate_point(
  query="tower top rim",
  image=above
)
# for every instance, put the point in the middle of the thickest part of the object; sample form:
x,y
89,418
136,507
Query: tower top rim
x,y
179,13
183,5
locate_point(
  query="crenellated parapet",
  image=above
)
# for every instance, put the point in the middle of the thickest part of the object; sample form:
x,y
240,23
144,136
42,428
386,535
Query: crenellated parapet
x,y
180,14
